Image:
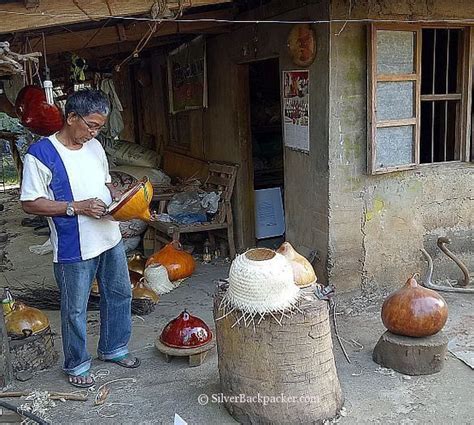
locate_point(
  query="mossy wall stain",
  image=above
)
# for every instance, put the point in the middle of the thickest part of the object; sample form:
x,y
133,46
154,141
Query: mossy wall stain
x,y
377,208
415,187
352,148
354,74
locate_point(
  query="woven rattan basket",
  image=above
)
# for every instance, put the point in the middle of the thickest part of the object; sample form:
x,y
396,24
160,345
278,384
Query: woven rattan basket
x,y
143,307
33,353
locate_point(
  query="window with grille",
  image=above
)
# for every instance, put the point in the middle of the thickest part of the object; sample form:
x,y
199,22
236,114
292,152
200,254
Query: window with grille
x,y
419,92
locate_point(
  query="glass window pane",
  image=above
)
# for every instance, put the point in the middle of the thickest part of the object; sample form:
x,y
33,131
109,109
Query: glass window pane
x,y
395,52
394,146
395,100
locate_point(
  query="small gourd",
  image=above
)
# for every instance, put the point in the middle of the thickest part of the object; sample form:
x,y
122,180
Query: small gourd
x,y
303,272
137,263
141,292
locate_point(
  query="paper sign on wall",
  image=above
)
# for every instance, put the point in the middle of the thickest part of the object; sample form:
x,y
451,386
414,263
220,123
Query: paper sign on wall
x,y
296,109
187,76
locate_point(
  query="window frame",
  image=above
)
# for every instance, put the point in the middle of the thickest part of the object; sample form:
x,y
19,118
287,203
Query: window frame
x,y
464,131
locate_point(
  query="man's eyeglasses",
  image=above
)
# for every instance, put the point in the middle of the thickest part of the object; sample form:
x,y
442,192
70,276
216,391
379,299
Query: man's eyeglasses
x,y
92,127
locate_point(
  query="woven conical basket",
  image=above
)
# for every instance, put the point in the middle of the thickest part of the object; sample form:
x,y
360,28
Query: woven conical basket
x,y
260,282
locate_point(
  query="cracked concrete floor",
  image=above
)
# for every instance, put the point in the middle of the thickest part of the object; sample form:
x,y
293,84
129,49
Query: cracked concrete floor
x,y
162,389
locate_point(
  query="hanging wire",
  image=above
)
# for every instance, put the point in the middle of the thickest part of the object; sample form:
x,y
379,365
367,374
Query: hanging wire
x,y
96,33
465,21
46,69
140,46
76,3
30,73
158,10
47,83
347,20
108,7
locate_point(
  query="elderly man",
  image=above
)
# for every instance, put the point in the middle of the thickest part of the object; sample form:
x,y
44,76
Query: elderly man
x,y
66,178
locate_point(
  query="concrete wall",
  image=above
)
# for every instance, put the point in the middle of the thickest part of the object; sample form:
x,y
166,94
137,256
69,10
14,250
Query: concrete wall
x,y
379,223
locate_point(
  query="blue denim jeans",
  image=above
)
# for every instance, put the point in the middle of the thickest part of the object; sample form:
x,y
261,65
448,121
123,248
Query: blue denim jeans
x,y
74,281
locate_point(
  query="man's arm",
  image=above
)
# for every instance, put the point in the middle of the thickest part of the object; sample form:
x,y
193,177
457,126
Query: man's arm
x,y
35,197
92,207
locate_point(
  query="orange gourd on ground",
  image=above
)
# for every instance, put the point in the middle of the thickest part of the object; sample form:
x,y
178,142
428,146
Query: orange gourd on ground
x,y
141,292
178,262
137,263
414,311
24,321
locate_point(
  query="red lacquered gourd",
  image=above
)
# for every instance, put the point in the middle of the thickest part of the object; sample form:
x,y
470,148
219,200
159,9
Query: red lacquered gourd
x,y
26,95
36,114
414,311
42,119
186,331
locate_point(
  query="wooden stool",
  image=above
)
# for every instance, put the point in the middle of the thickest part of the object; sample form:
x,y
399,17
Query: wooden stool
x,y
286,373
411,356
196,355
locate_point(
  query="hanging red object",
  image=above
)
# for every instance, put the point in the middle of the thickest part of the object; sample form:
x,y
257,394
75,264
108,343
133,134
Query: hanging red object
x,y
28,94
36,114
42,119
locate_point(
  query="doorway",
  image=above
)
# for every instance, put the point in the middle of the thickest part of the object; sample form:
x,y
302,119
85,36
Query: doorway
x,y
267,151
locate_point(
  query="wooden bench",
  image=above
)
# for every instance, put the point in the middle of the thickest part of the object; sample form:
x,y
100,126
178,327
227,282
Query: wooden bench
x,y
220,178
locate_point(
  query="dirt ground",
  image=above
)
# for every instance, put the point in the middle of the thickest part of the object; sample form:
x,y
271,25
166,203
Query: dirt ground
x,y
157,390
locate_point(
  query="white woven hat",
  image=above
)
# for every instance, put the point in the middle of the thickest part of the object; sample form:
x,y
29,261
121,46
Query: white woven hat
x,y
156,278
260,281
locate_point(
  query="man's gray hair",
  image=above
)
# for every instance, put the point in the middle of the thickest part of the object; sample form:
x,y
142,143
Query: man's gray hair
x,y
86,102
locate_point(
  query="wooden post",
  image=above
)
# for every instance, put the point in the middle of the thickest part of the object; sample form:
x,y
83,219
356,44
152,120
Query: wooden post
x,y
6,373
284,374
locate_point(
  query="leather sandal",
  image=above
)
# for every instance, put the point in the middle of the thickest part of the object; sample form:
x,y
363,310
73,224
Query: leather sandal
x,y
121,361
84,384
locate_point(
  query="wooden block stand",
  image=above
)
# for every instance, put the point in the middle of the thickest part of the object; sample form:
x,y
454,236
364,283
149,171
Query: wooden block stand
x,y
196,355
293,363
411,356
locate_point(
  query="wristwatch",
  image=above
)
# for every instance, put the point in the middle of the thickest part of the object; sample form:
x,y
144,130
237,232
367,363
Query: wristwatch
x,y
70,211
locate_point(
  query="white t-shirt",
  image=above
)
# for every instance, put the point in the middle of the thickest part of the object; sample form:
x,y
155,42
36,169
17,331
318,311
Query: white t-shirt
x,y
55,172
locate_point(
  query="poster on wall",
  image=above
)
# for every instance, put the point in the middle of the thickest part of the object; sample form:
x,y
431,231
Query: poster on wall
x,y
187,76
296,109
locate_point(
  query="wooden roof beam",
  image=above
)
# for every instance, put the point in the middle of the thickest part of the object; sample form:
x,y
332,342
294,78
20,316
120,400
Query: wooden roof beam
x,y
80,40
31,4
16,17
124,49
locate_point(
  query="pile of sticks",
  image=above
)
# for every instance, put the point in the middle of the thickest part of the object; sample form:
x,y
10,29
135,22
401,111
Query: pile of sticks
x,y
12,63
42,295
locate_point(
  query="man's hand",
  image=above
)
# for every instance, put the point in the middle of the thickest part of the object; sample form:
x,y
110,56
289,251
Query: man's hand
x,y
93,207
